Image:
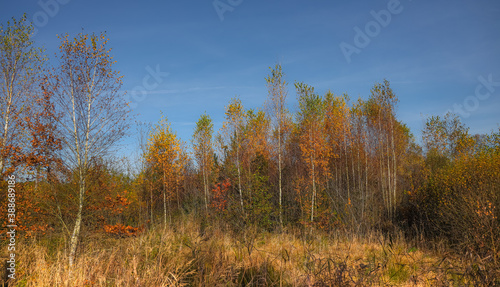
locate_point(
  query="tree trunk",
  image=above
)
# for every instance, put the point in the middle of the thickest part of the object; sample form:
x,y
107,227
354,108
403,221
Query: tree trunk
x,y
389,186
205,188
151,197
337,186
177,192
360,182
366,179
314,191
36,177
394,170
164,200
381,151
76,228
239,171
313,180
347,167
74,237
279,173
5,131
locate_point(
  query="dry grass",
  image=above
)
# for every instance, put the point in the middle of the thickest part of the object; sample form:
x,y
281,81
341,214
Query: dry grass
x,y
186,254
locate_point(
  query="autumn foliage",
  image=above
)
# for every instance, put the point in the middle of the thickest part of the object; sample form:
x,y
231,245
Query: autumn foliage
x,y
220,196
121,230
329,164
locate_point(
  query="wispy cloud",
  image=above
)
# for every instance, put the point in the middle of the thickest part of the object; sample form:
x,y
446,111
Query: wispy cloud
x,y
178,91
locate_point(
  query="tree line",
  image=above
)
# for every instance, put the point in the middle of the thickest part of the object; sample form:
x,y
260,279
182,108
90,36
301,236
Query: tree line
x,y
335,163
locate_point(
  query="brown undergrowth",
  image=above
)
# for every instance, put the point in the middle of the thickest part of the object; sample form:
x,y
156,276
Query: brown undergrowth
x,y
188,253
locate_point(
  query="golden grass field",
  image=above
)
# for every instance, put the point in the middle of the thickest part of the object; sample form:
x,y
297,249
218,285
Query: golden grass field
x,y
188,254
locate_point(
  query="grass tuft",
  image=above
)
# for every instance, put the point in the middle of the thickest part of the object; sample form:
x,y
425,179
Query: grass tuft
x,y
190,253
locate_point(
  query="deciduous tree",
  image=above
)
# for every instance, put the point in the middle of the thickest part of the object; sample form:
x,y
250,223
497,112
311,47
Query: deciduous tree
x,y
21,69
232,128
165,154
86,90
277,94
315,151
203,151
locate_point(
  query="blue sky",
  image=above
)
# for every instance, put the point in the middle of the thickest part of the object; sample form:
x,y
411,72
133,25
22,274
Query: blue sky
x,y
434,53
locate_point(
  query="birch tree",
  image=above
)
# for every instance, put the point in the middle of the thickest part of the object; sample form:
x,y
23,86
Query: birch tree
x,y
21,66
203,151
86,90
315,151
232,128
165,154
276,86
381,113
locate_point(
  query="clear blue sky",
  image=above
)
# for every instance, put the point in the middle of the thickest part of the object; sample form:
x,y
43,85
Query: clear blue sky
x,y
432,52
